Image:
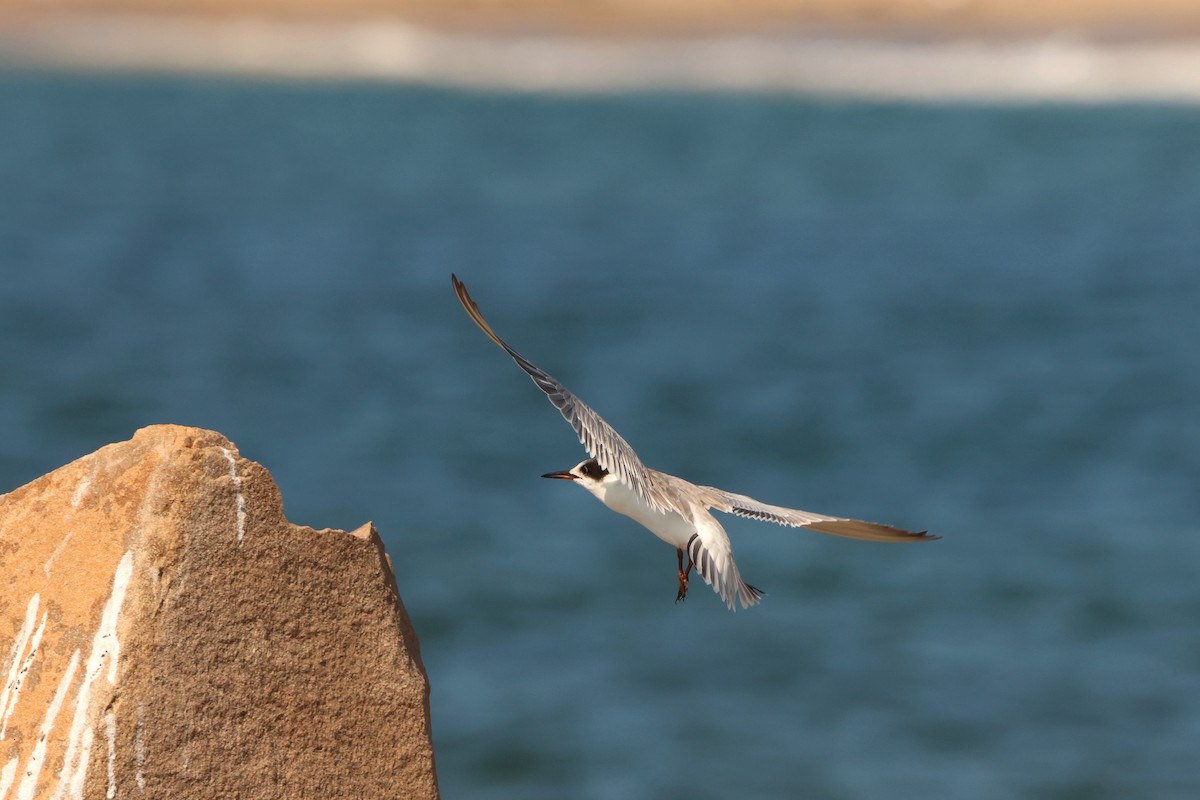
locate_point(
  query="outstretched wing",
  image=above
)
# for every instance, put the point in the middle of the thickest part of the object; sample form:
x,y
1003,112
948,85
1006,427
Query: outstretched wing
x,y
744,506
710,551
602,442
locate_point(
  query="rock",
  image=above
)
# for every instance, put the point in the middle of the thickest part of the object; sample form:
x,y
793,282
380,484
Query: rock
x,y
166,632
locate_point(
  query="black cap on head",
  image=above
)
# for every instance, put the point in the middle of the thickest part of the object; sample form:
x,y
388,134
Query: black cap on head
x,y
592,469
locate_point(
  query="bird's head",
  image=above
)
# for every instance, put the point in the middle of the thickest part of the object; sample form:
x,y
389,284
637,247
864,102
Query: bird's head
x,y
588,474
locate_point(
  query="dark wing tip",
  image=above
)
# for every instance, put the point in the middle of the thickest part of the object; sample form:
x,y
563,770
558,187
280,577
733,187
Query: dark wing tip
x,y
915,536
460,291
472,308
868,531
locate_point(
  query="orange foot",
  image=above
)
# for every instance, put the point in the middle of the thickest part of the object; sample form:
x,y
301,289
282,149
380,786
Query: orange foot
x,y
683,575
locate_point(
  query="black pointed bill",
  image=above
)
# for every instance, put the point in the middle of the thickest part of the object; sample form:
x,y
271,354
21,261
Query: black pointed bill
x,y
566,476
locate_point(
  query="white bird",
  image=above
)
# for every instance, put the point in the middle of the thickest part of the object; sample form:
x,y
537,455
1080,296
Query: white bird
x,y
673,509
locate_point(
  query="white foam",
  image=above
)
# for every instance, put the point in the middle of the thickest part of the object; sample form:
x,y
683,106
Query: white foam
x,y
1055,67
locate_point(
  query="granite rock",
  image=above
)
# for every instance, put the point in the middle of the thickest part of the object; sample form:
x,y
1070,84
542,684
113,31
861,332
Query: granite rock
x,y
166,632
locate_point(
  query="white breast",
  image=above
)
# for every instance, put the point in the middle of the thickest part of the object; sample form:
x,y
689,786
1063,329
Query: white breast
x,y
669,526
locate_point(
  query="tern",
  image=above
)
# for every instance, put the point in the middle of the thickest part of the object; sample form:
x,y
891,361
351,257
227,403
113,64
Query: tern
x,y
672,508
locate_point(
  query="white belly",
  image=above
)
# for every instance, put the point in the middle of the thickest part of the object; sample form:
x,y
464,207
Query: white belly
x,y
670,526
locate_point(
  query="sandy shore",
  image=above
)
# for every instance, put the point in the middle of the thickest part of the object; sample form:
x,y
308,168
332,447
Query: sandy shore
x,y
855,61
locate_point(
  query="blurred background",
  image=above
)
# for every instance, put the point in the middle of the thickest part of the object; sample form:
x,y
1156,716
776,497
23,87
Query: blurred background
x,y
962,305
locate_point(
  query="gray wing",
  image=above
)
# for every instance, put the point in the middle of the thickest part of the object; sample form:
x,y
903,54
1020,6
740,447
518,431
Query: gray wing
x,y
710,551
598,437
744,506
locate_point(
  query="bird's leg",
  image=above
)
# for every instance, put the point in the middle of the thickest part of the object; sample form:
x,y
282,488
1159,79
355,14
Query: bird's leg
x,y
683,574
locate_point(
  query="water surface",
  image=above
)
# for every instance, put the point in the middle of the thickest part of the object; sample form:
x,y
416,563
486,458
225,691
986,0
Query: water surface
x,y
977,320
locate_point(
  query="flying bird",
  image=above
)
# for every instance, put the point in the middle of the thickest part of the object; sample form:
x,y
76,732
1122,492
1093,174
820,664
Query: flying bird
x,y
671,508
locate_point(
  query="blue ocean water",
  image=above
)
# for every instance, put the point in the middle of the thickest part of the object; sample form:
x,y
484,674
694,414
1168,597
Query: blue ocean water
x,y
979,320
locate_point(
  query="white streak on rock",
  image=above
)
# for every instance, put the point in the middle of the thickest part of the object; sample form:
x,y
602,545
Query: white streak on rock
x,y
7,775
25,665
12,684
80,774
57,552
237,487
33,766
80,491
139,750
105,652
110,728
22,639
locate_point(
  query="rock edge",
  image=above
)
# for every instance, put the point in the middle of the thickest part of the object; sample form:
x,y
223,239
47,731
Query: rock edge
x,y
166,632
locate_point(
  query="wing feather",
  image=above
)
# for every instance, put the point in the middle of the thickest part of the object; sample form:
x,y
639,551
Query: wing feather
x,y
599,438
710,551
744,506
